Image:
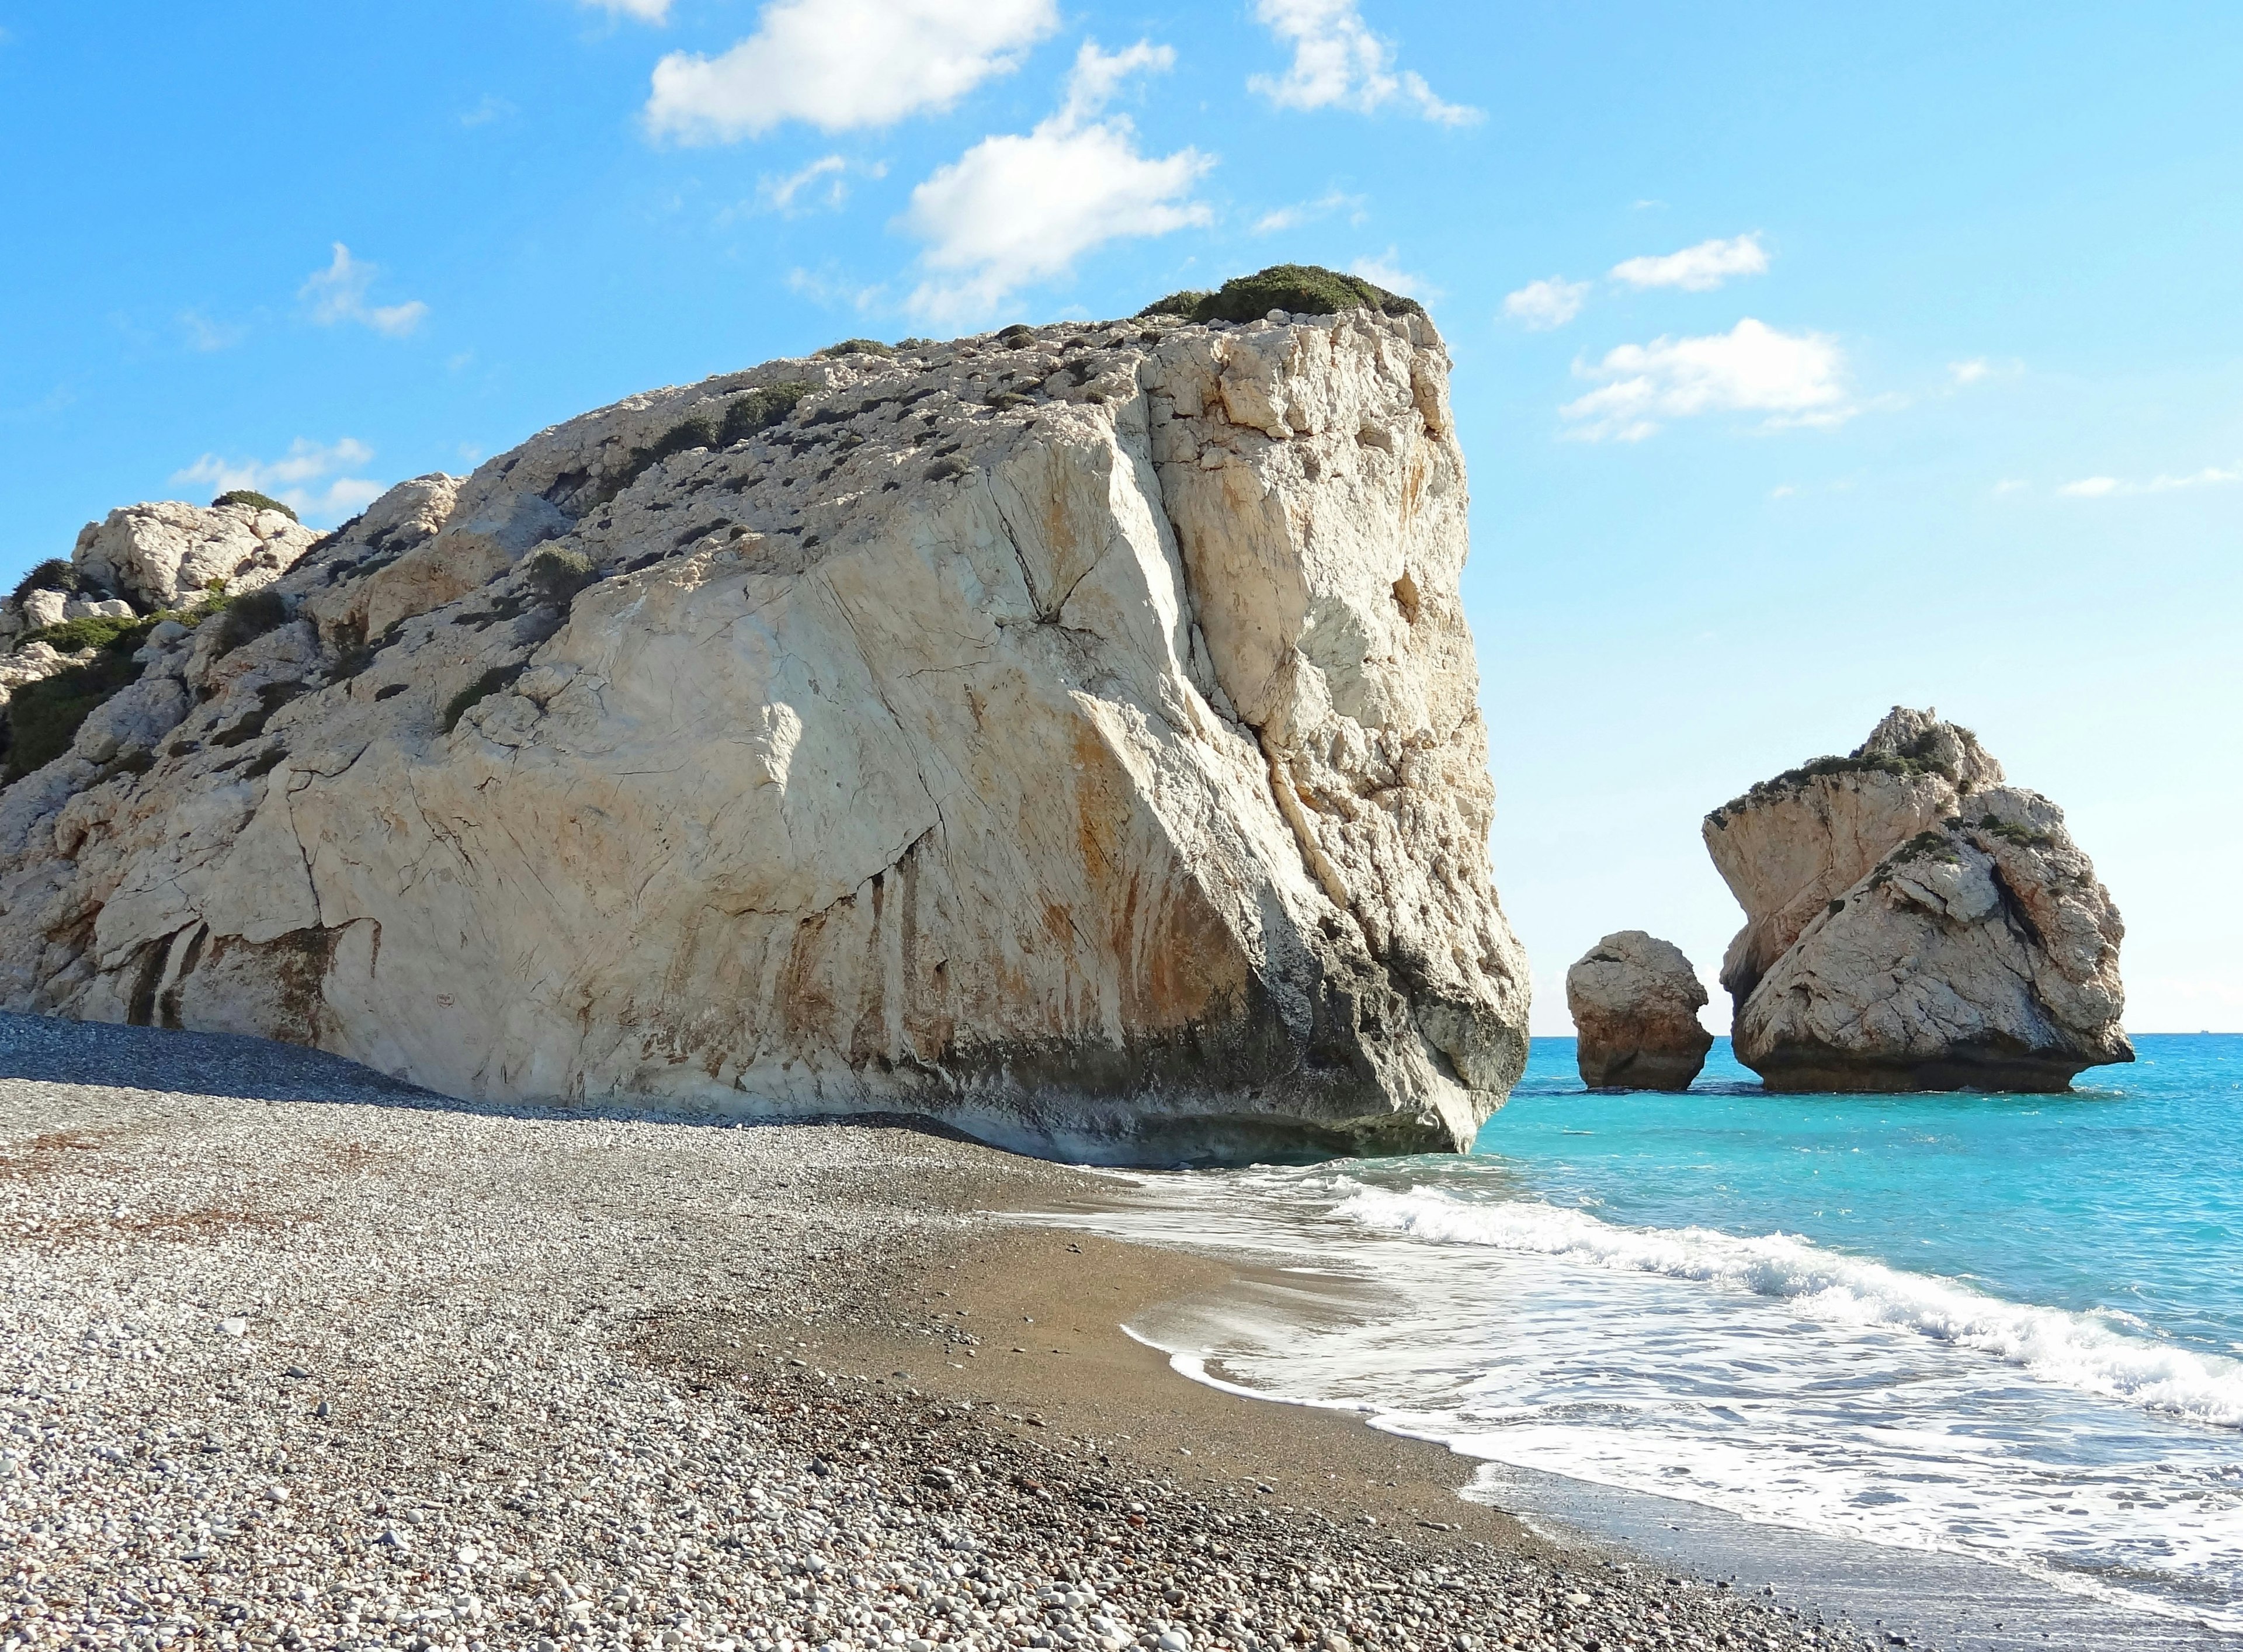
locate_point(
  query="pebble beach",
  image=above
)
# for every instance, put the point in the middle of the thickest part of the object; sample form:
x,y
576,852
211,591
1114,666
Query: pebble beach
x,y
293,1356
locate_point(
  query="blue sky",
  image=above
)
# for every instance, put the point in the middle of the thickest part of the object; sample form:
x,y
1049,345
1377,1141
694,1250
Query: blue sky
x,y
1806,361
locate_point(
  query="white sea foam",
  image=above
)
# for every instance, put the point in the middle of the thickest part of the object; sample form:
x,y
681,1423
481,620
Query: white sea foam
x,y
2055,1346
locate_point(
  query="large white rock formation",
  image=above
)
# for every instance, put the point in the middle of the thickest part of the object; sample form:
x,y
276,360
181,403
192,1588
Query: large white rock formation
x,y
1071,734
1913,923
1635,1000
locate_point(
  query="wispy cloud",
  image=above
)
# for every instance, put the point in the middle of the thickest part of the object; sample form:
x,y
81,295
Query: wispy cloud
x,y
306,479
644,10
1293,217
339,292
1792,378
492,108
2115,488
1339,64
1016,210
1385,271
1540,305
840,64
1696,269
821,186
836,292
207,335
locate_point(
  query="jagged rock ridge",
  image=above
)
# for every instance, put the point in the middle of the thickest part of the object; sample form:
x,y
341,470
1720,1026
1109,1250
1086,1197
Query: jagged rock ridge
x,y
1914,922
1071,733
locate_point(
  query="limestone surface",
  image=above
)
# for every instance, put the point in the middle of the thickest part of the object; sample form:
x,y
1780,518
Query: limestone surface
x,y
1070,733
159,556
1635,1000
1913,923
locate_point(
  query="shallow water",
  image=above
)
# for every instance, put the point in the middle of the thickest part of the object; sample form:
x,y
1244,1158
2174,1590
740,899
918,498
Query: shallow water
x,y
1999,1327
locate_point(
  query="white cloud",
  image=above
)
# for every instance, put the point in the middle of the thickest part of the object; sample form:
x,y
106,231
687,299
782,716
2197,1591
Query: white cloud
x,y
337,293
493,107
1969,372
1338,63
1385,272
1540,305
1293,217
295,478
1795,379
1016,210
1696,269
644,10
2110,487
204,334
2009,485
821,186
842,63
835,292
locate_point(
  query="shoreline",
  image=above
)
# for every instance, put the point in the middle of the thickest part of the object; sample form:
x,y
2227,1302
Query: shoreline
x,y
661,1377
294,1360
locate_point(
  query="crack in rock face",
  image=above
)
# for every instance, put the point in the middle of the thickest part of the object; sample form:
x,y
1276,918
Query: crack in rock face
x,y
1915,922
1071,734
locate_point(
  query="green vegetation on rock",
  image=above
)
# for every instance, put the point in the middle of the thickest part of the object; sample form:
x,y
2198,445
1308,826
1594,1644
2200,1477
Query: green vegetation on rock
x,y
57,573
43,717
750,414
255,501
248,616
1297,289
856,347
88,630
557,575
1822,768
482,688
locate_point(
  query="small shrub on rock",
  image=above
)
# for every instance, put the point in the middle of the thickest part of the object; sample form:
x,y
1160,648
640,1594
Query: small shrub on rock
x,y
556,575
255,501
1185,304
250,616
758,410
57,573
482,688
855,347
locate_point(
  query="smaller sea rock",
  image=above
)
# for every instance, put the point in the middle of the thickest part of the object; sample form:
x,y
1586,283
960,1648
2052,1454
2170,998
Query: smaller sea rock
x,y
1635,1001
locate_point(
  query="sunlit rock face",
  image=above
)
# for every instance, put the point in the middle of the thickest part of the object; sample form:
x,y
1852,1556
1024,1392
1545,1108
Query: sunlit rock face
x,y
1914,922
1071,734
1634,1000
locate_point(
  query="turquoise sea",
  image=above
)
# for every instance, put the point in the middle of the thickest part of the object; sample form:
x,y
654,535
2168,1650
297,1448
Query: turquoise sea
x,y
2002,1327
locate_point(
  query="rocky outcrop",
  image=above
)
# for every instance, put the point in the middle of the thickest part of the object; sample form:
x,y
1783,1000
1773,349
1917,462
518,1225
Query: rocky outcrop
x,y
162,556
140,561
1913,923
1635,1001
1071,734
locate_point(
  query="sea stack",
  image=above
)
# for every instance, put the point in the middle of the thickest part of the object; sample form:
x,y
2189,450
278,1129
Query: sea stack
x,y
1071,733
1635,1001
1914,922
